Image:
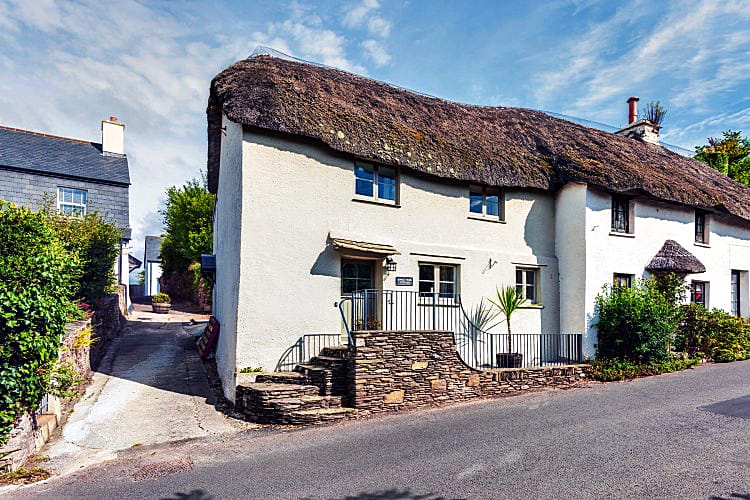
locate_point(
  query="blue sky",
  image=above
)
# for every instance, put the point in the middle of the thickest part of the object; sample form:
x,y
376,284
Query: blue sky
x,y
66,65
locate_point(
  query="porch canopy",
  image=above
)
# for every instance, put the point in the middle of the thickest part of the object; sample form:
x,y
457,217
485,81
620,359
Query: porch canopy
x,y
673,258
363,247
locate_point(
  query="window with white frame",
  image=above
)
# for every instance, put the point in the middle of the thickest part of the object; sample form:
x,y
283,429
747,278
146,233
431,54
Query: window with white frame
x,y
71,201
527,284
375,181
486,201
440,279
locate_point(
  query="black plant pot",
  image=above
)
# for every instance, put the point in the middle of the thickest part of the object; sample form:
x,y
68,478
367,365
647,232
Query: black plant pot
x,y
509,360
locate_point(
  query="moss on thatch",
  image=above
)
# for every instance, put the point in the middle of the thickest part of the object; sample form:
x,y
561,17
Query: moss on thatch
x,y
497,146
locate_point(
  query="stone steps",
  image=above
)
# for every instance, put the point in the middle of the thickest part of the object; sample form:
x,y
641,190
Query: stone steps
x,y
340,351
281,378
321,416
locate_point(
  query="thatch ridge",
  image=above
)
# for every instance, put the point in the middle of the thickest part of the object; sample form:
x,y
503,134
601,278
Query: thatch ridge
x,y
673,258
498,146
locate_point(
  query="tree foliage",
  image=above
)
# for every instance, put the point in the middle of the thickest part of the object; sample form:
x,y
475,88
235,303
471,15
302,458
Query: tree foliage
x,y
188,222
38,279
729,155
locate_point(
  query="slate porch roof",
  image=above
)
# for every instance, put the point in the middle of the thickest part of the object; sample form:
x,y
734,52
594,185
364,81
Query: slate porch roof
x,y
59,156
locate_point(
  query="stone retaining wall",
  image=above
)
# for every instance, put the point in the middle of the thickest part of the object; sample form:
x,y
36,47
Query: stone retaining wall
x,y
400,370
33,430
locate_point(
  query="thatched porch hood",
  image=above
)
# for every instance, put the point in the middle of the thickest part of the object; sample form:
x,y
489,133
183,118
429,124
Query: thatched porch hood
x,y
497,146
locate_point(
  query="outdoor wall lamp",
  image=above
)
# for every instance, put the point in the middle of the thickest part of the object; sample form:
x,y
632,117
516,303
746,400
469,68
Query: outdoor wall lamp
x,y
390,264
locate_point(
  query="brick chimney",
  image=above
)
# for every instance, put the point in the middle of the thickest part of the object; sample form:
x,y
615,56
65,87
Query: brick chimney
x,y
113,136
642,130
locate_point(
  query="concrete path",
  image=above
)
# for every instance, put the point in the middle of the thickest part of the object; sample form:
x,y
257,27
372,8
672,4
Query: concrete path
x,y
151,388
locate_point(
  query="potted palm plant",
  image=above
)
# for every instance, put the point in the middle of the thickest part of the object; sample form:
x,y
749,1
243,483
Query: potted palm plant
x,y
508,300
160,303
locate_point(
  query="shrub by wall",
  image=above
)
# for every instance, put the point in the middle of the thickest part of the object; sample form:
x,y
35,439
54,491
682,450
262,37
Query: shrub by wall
x,y
38,278
714,334
637,324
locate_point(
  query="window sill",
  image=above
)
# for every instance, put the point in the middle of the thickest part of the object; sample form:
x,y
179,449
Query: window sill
x,y
622,235
439,304
699,244
486,218
531,306
375,201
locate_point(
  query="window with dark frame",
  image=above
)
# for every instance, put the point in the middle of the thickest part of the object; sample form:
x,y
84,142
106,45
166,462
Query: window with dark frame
x,y
620,214
356,275
735,300
526,284
486,201
375,181
438,278
701,235
620,280
698,292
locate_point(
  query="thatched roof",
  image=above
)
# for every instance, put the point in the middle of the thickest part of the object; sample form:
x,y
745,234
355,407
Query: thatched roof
x,y
497,146
673,258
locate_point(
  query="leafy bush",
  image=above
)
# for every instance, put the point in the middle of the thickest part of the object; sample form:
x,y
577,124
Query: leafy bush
x,y
96,242
713,334
38,278
160,298
635,324
610,370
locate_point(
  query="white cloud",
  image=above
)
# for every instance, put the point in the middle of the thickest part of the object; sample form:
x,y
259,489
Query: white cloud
x,y
379,27
375,52
356,15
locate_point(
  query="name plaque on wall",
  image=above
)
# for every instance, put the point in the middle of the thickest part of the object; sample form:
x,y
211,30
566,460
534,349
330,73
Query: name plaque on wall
x,y
404,281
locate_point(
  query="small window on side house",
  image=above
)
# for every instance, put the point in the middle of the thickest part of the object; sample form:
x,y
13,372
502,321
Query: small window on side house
x,y
620,280
699,293
72,201
620,214
701,228
486,201
527,284
377,182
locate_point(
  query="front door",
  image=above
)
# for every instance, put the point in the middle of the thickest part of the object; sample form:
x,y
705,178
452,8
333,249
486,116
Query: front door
x,y
358,281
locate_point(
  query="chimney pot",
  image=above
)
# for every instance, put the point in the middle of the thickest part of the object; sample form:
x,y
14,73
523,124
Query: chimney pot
x,y
113,118
632,109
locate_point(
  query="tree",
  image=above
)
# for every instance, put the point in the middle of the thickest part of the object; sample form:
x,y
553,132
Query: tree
x,y
188,221
509,299
729,155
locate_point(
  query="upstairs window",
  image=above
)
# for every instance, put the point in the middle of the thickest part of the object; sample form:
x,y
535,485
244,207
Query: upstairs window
x,y
71,201
486,201
620,280
698,293
620,214
701,228
376,182
526,284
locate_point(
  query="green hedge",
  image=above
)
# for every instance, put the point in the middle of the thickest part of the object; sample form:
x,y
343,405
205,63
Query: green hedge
x,y
713,334
38,279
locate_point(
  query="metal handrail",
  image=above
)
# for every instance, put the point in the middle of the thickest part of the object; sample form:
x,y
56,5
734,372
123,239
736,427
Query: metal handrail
x,y
340,305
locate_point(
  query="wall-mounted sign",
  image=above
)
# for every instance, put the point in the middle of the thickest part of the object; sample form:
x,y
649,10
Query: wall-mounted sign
x,y
404,281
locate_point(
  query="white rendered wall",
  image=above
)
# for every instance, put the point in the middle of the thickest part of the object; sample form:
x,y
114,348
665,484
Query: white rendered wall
x,y
227,246
570,247
729,248
295,195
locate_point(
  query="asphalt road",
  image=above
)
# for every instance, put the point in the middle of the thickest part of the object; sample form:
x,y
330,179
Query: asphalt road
x,y
650,438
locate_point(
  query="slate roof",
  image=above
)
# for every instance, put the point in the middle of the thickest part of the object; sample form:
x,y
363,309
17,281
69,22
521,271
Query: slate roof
x,y
496,146
60,156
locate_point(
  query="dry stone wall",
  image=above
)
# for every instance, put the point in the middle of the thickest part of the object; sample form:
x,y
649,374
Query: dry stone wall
x,y
394,370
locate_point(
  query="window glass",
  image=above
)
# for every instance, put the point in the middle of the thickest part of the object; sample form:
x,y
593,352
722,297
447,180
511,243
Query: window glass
x,y
72,201
493,205
365,177
447,281
698,293
620,280
475,203
438,278
356,276
426,279
526,284
386,183
700,227
620,215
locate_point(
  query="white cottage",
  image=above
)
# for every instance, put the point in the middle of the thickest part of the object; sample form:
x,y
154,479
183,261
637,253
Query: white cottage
x,y
329,183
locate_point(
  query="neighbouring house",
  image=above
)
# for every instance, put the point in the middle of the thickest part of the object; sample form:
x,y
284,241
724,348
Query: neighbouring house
x,y
77,176
152,265
406,210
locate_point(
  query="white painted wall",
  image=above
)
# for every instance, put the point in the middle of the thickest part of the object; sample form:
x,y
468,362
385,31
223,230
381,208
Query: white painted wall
x,y
295,195
152,275
228,239
654,222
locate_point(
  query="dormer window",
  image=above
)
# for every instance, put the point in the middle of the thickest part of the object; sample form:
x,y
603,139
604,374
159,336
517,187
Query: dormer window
x,y
377,182
486,202
621,215
701,228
